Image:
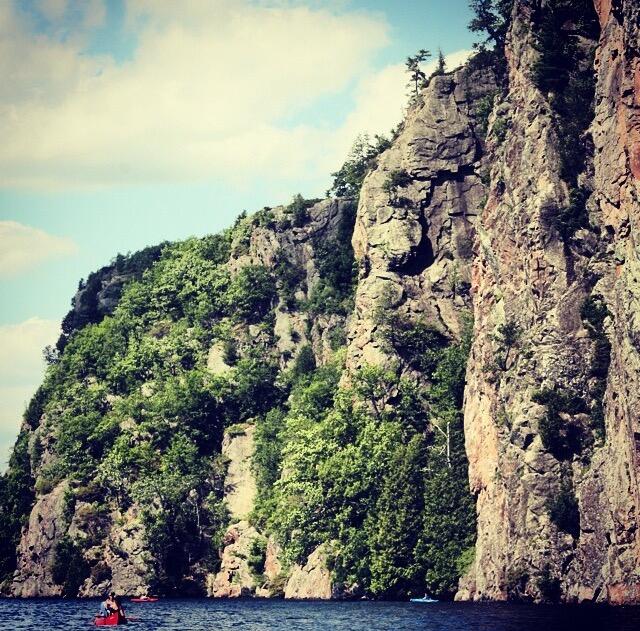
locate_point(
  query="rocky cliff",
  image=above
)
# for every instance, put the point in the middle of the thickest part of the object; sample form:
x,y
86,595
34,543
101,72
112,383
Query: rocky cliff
x,y
416,225
452,405
83,534
550,430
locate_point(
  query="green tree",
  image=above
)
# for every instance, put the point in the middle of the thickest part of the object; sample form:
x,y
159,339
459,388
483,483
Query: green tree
x,y
347,181
441,67
69,568
183,514
491,18
251,294
417,77
397,520
305,362
298,209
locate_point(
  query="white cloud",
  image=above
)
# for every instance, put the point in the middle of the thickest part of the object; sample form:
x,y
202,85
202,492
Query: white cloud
x,y
21,349
202,97
21,371
24,247
380,101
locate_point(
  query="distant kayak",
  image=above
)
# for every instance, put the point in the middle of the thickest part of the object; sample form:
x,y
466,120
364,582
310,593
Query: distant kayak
x,y
424,599
144,599
110,621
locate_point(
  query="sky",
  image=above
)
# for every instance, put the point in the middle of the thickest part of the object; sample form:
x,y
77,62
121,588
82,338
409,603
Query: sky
x,y
130,122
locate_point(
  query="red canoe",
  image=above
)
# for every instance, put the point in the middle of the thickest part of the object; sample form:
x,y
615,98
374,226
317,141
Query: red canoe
x,y
109,621
144,599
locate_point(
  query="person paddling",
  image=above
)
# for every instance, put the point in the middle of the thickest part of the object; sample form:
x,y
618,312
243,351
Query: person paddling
x,y
118,605
111,605
108,605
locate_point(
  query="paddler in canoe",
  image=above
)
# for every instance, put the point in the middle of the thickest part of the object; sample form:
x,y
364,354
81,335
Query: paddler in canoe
x,y
108,605
111,611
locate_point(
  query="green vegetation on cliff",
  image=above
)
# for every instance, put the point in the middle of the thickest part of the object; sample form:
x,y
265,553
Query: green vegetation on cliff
x,y
131,417
347,181
16,497
380,477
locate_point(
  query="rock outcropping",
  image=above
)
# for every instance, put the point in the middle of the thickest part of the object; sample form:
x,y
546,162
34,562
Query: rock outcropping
x,y
313,580
416,223
47,524
519,416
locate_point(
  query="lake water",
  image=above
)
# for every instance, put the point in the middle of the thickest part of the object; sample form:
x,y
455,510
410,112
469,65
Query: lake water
x,y
274,615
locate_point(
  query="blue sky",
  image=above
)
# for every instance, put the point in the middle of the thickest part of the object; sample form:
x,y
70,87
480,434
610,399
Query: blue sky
x,y
130,122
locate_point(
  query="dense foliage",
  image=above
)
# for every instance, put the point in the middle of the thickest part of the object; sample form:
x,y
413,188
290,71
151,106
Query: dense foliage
x,y
86,308
381,480
137,417
337,270
70,568
563,507
347,181
131,416
16,497
594,312
563,439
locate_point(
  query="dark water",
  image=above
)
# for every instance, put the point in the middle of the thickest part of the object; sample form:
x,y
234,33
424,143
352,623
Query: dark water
x,y
250,615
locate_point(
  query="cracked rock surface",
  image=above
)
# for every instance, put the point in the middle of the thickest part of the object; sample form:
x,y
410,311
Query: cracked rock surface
x,y
414,242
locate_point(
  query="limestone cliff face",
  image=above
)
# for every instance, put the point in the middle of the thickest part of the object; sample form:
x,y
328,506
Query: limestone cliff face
x,y
295,247
416,221
313,580
114,547
525,275
235,577
240,484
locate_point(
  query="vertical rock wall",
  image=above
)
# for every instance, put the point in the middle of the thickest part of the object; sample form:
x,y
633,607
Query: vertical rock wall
x,y
521,275
616,136
414,240
47,524
526,274
240,483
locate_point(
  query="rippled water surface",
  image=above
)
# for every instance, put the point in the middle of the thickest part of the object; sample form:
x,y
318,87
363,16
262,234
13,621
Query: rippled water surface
x,y
250,615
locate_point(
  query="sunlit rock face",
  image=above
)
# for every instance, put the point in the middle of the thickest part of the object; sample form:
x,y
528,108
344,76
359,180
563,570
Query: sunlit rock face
x,y
415,230
36,553
526,274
